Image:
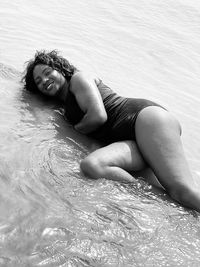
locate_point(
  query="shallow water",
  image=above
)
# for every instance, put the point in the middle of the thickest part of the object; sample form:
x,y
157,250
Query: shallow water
x,y
50,214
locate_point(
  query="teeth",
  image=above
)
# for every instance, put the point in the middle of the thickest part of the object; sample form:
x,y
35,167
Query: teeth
x,y
49,86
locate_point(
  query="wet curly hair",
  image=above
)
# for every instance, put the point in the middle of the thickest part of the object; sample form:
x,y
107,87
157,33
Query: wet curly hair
x,y
52,59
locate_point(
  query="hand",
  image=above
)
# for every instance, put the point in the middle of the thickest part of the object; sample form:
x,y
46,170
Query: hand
x,y
79,129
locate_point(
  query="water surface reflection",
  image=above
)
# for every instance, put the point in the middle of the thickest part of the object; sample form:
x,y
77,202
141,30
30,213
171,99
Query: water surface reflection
x,y
51,215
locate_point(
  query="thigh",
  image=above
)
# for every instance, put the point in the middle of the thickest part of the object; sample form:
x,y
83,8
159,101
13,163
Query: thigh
x,y
123,154
158,137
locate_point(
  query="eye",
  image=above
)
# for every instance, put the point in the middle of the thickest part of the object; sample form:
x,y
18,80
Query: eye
x,y
38,82
48,71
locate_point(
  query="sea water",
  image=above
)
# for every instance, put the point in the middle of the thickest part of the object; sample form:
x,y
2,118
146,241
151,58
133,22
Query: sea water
x,y
52,215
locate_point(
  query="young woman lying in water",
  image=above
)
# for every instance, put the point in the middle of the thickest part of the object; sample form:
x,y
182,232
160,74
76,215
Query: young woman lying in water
x,y
138,133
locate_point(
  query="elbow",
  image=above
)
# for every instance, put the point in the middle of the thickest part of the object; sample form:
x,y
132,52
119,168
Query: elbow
x,y
104,117
101,118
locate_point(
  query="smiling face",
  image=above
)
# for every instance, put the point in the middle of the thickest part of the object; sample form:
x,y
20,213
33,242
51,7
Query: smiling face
x,y
48,80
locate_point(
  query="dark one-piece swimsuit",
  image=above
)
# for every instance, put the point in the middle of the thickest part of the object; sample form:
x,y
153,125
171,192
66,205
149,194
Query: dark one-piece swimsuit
x,y
122,113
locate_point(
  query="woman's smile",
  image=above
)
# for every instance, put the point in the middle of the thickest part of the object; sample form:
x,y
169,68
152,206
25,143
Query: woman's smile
x,y
48,80
49,85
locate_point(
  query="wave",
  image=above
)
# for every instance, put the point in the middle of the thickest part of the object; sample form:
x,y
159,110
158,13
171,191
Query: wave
x,y
8,72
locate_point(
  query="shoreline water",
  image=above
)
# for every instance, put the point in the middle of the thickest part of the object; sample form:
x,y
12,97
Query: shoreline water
x,y
50,213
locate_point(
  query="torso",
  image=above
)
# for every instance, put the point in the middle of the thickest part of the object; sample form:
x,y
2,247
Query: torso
x,y
122,113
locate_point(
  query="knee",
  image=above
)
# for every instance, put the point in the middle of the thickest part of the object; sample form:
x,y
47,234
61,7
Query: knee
x,y
92,167
157,118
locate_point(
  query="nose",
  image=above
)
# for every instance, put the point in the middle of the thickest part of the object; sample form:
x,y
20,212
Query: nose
x,y
44,80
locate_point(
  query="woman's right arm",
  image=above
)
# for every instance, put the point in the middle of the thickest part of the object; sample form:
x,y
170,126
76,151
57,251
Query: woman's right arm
x,y
89,100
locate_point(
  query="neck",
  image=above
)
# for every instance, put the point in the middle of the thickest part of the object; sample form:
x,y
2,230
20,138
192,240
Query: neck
x,y
63,91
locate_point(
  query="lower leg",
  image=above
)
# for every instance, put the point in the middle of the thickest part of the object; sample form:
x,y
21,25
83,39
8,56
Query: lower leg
x,y
110,172
149,176
158,138
114,162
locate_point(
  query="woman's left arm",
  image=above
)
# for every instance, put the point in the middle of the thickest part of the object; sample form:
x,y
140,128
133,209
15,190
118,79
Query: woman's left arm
x,y
89,100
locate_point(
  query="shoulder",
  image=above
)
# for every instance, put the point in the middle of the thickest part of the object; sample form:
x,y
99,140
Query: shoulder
x,y
81,78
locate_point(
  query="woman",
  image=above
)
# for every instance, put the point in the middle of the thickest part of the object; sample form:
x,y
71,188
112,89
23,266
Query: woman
x,y
138,133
